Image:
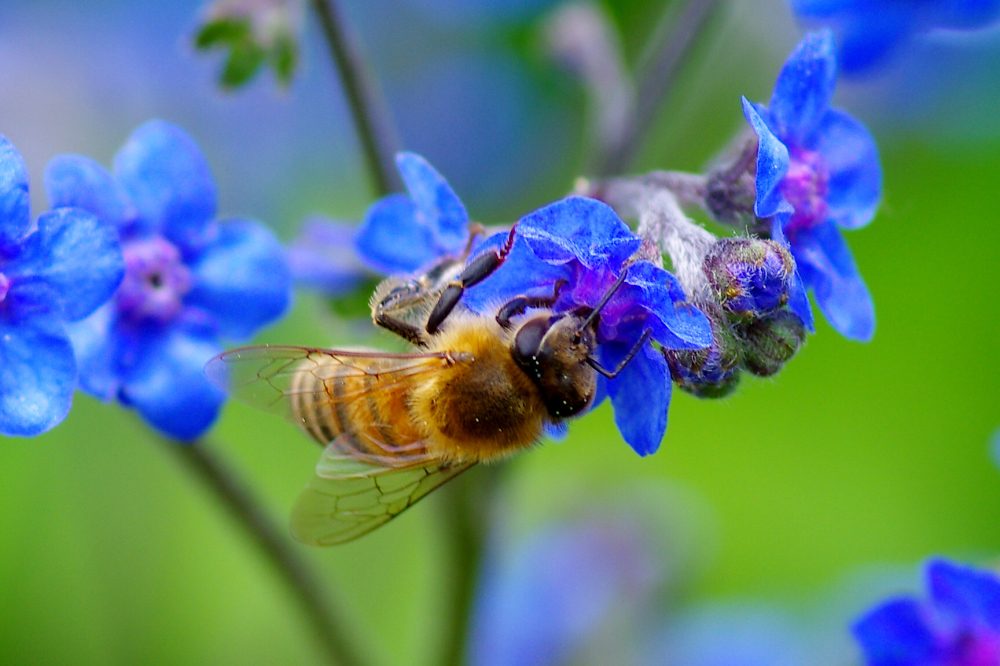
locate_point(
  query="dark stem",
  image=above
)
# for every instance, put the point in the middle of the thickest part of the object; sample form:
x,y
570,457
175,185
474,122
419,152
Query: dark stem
x,y
370,114
468,501
302,584
671,43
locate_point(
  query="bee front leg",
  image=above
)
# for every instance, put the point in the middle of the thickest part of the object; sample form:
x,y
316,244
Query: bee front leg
x,y
478,270
400,298
519,304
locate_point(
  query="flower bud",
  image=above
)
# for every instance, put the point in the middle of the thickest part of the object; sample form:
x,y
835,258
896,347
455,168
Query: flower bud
x,y
769,342
749,277
712,372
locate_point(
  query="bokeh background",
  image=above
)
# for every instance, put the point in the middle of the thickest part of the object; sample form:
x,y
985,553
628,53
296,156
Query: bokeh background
x,y
810,494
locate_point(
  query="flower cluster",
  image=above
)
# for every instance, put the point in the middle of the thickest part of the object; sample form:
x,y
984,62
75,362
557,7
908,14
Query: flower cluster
x,y
189,279
817,172
959,625
56,270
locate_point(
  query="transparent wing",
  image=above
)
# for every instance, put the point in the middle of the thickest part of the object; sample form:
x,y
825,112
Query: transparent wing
x,y
265,377
348,497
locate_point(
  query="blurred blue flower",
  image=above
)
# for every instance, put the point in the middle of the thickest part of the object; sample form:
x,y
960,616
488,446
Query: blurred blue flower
x,y
323,258
958,626
584,245
402,234
817,172
57,270
871,30
189,278
540,603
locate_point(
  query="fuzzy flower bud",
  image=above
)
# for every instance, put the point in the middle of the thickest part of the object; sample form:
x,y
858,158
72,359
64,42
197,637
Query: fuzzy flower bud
x,y
712,372
749,277
769,342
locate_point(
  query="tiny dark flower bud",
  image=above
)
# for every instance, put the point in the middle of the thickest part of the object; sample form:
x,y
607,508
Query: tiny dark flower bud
x,y
712,372
769,342
749,277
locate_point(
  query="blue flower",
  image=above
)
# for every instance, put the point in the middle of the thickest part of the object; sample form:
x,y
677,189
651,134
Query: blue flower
x,y
871,30
189,278
58,270
402,234
958,626
817,172
584,245
323,257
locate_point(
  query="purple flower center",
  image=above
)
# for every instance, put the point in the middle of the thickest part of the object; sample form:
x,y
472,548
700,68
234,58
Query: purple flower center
x,y
806,186
155,281
976,648
4,286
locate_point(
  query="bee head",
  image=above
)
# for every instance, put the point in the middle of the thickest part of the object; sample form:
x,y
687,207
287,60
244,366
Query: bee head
x,y
553,350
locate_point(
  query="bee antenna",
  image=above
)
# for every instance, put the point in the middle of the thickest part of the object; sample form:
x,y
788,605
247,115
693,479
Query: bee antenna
x,y
604,301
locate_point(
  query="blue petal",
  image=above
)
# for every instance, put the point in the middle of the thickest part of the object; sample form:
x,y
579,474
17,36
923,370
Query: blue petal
x,y
557,432
390,240
798,297
37,372
323,257
578,228
640,395
438,208
96,343
965,14
873,36
804,87
15,205
851,158
242,278
165,174
675,323
166,381
76,255
897,633
521,274
772,164
965,592
826,265
73,180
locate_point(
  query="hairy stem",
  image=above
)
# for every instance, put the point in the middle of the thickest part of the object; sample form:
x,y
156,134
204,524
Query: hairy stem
x,y
467,501
671,43
370,115
270,540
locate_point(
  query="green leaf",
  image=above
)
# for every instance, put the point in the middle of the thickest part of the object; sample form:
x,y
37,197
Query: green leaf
x,y
284,58
221,32
244,61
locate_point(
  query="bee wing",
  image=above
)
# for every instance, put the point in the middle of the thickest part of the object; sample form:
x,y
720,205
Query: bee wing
x,y
349,497
265,377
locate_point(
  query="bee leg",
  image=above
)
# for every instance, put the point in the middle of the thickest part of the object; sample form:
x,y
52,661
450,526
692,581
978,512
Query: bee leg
x,y
611,374
519,304
401,328
478,270
403,296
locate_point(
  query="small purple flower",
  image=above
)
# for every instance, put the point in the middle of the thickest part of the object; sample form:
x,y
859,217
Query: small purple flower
x,y
871,30
402,234
749,277
582,244
817,172
57,270
958,626
323,257
190,279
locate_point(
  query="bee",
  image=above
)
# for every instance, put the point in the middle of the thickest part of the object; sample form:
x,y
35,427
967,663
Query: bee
x,y
397,426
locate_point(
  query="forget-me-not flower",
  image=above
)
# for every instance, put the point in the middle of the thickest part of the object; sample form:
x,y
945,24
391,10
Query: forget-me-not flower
x,y
583,245
817,172
57,270
959,625
871,30
402,234
190,279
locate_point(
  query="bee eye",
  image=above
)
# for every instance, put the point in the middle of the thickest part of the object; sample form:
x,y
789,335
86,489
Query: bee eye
x,y
528,340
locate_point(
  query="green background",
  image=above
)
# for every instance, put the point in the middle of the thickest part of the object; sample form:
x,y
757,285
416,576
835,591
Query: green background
x,y
855,455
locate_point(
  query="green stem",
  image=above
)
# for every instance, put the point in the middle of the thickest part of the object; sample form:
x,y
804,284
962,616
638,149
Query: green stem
x,y
272,543
370,115
467,503
668,48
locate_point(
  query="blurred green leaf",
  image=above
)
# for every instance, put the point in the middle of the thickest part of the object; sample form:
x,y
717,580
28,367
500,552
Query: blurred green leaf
x,y
284,58
221,32
243,63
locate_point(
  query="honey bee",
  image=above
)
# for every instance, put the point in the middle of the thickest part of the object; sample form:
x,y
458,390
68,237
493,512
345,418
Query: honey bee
x,y
397,426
